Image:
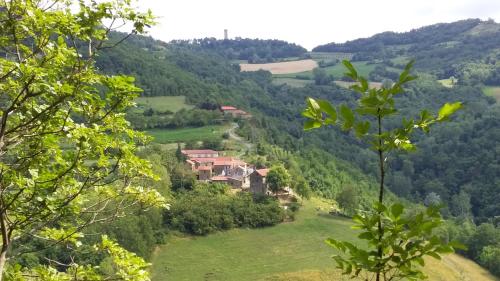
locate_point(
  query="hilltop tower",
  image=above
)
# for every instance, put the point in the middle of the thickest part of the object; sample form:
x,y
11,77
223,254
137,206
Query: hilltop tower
x,y
225,34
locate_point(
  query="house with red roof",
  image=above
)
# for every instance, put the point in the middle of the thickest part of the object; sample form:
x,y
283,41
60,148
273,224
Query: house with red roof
x,y
234,112
223,169
258,181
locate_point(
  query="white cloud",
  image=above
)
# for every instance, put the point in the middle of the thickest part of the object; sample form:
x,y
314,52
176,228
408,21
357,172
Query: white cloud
x,y
310,22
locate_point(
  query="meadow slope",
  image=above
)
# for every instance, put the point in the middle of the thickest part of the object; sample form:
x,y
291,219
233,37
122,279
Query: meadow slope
x,y
289,251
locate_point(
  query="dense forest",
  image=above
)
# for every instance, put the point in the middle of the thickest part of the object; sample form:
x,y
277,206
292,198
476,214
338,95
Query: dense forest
x,y
446,49
251,50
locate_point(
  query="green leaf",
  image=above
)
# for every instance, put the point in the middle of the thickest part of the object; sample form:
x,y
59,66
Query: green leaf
x,y
361,128
313,104
434,255
311,124
366,236
347,116
447,110
397,210
328,109
352,71
420,261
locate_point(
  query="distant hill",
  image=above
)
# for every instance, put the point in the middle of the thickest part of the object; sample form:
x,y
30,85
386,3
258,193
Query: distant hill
x,y
441,49
251,50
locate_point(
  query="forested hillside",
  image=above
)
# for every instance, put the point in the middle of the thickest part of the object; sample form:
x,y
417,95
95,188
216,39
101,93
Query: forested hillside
x,y
462,156
251,50
468,50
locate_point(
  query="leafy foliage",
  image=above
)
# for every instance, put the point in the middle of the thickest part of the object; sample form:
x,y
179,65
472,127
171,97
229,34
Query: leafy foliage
x,y
209,208
68,156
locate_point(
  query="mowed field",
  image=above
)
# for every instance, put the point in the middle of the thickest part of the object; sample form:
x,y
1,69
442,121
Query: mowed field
x,y
281,67
162,103
289,251
187,134
292,82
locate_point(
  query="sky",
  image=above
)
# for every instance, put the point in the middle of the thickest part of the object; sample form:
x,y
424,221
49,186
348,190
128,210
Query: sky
x,y
306,22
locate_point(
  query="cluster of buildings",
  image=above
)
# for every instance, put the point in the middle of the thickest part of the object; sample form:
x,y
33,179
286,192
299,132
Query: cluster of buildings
x,y
234,112
210,166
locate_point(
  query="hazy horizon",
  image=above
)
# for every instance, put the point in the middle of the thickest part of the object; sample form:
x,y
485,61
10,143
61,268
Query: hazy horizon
x,y
307,25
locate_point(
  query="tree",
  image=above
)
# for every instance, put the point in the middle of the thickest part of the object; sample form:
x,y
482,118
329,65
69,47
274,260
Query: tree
x,y
396,244
67,155
321,77
348,200
178,154
302,188
432,199
277,178
460,205
490,258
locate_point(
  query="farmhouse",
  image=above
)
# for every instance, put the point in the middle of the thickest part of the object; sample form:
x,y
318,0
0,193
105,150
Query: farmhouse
x,y
234,112
211,167
258,183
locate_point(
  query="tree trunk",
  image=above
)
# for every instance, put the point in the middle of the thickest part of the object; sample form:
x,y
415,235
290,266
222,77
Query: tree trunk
x,y
381,193
3,260
5,242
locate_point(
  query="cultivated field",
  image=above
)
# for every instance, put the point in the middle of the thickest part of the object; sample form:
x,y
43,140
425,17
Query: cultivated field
x,y
292,82
281,67
187,134
289,251
162,103
339,69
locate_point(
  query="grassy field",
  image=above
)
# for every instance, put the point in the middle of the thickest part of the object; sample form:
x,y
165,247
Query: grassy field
x,y
289,251
296,83
339,69
346,84
330,56
308,74
187,134
492,91
163,103
281,67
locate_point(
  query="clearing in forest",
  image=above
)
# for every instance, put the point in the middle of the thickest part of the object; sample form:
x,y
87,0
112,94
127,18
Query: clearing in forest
x,y
281,67
162,103
213,132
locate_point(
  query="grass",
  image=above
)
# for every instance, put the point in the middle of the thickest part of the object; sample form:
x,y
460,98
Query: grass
x,y
492,91
308,74
346,84
162,103
339,69
330,56
292,82
187,134
289,251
